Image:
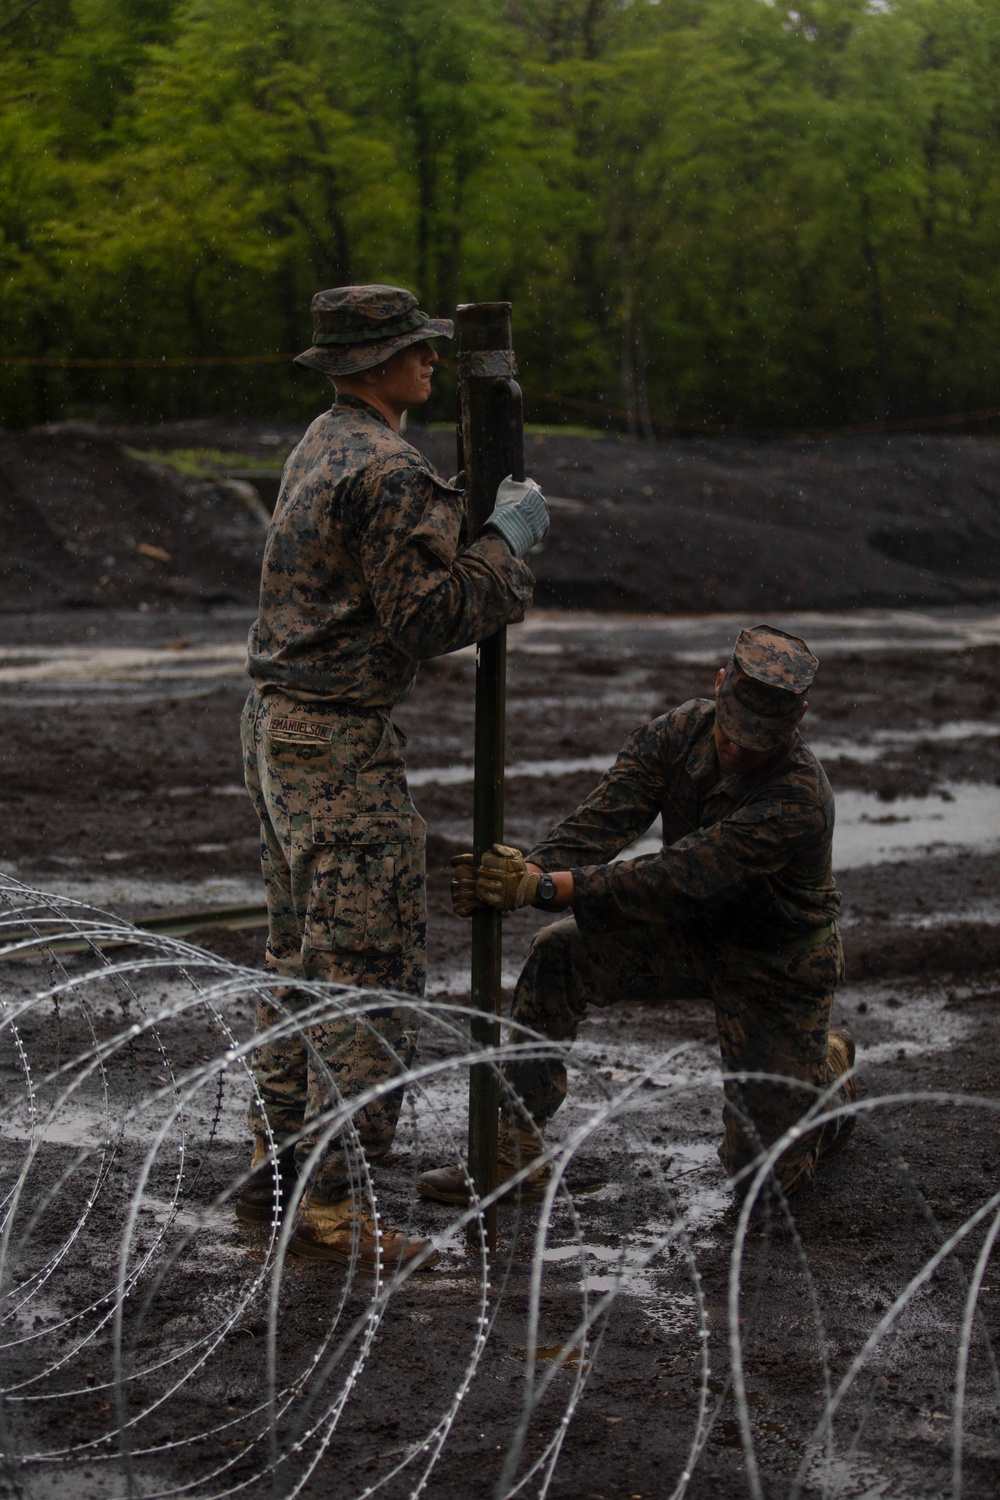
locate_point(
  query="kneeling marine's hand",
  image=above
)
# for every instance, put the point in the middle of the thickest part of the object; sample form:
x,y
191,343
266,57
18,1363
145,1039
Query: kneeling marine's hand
x,y
463,886
504,880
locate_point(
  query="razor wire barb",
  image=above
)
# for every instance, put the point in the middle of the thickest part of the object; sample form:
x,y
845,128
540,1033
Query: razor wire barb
x,y
127,1288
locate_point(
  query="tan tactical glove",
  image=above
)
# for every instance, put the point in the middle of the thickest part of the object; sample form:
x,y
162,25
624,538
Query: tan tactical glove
x,y
504,881
463,886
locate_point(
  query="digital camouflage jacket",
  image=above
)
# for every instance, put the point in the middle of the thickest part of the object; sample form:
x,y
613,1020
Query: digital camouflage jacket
x,y
751,854
367,570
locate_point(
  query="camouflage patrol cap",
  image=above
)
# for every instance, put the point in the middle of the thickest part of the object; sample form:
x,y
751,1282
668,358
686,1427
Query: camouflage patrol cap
x,y
762,695
358,327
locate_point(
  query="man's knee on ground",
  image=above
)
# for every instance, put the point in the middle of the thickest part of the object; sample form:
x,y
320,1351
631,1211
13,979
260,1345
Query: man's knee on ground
x,y
756,1115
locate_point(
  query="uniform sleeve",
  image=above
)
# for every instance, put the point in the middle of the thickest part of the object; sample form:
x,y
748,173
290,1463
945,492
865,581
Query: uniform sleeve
x,y
431,594
621,807
699,871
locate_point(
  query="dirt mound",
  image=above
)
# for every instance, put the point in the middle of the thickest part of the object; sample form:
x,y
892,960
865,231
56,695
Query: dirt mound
x,y
719,524
960,949
728,524
84,524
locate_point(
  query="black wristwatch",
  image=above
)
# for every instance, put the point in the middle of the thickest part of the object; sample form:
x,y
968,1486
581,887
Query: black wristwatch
x,y
545,893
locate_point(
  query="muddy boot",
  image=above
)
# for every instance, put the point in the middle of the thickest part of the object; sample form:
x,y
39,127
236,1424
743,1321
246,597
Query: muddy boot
x,y
517,1147
339,1232
841,1059
264,1197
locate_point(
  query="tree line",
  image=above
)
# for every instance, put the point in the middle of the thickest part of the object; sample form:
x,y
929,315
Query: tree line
x,y
703,211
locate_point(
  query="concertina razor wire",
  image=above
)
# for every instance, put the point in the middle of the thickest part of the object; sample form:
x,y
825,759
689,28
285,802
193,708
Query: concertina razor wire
x,y
130,1295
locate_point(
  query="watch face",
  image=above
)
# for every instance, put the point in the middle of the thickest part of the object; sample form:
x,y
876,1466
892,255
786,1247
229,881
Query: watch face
x,y
546,888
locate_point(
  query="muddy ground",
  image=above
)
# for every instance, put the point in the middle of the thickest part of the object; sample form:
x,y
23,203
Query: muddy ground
x,y
121,786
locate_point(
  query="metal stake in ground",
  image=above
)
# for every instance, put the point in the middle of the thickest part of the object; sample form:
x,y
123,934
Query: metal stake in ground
x,y
491,443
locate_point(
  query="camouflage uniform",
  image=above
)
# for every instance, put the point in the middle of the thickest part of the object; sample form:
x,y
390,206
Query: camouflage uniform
x,y
738,905
367,570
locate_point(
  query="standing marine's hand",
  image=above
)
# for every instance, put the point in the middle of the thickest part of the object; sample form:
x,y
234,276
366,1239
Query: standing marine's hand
x,y
504,880
463,886
521,515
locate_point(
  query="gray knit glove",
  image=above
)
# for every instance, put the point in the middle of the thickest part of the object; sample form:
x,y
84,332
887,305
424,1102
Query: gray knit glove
x,y
521,515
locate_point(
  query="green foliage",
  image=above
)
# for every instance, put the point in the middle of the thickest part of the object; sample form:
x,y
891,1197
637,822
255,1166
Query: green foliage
x,y
703,210
201,463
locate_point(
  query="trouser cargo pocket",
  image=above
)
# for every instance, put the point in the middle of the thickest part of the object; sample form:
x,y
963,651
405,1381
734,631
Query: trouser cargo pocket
x,y
363,891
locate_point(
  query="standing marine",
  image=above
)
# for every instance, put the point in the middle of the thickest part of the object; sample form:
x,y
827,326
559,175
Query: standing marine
x,y
368,570
738,905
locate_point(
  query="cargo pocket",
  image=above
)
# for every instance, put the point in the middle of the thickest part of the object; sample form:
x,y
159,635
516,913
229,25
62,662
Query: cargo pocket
x,y
359,903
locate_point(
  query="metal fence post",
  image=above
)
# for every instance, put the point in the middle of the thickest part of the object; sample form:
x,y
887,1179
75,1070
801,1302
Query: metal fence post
x,y
491,447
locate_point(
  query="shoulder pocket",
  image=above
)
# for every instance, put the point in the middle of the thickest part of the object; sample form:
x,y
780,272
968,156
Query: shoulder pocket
x,y
440,526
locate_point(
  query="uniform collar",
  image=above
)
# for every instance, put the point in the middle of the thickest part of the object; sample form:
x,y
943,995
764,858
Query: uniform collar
x,y
356,404
702,763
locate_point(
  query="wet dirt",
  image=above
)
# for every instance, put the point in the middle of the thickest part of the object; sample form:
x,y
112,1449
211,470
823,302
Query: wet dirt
x,y
121,785
124,787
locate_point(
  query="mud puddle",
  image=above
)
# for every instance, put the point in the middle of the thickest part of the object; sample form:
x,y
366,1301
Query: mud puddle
x,y
81,665
465,775
693,639
884,743
708,638
871,831
142,892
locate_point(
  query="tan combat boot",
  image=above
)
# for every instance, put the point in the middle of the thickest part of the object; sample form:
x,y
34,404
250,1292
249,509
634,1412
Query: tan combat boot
x,y
265,1197
339,1232
517,1147
841,1059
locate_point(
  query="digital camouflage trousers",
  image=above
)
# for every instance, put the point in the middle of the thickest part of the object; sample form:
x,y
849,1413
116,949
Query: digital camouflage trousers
x,y
342,855
772,1011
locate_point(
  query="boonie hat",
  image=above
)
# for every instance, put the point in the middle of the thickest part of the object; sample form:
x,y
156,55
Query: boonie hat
x,y
761,696
357,327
